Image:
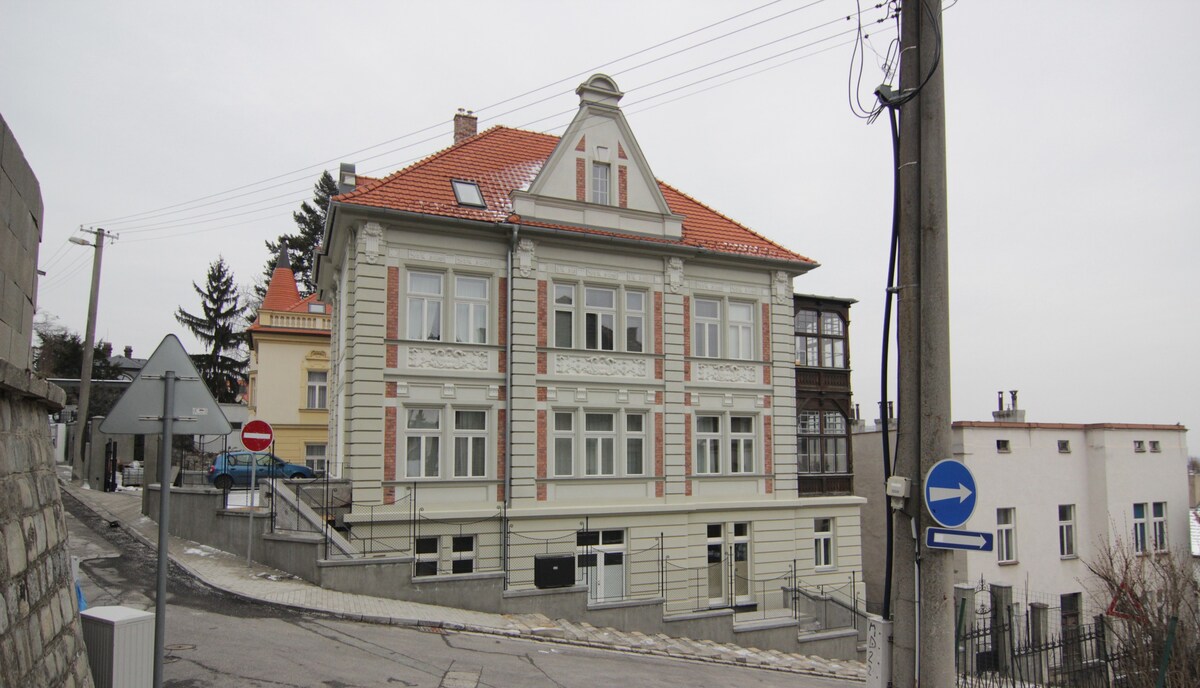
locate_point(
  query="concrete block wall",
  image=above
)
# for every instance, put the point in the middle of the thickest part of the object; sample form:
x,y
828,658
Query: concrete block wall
x,y
41,639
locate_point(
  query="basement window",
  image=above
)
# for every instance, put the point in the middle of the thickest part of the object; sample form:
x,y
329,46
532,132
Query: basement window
x,y
1064,446
467,193
1002,446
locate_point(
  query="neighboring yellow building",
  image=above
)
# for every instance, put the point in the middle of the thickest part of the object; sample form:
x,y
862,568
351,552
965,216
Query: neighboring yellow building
x,y
289,368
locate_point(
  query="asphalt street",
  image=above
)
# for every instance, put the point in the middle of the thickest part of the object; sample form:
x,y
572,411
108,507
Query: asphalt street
x,y
216,639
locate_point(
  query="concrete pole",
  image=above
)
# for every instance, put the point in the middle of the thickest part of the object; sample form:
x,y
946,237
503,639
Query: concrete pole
x,y
923,638
164,528
89,343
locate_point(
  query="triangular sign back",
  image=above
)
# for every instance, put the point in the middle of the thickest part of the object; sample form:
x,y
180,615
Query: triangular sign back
x,y
139,410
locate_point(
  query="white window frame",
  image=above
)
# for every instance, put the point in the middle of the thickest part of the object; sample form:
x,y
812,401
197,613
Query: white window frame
x,y
739,331
471,312
421,560
472,444
708,446
709,456
1158,526
1066,531
706,329
1006,535
317,391
1155,446
463,557
423,437
714,545
564,328
635,321
740,550
824,552
424,313
741,446
596,318
577,451
1139,527
601,191
317,463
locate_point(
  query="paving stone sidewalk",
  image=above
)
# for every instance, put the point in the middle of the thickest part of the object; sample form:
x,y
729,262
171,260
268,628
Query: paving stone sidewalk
x,y
260,583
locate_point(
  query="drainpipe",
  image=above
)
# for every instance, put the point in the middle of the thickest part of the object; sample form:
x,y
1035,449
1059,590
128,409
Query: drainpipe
x,y
508,348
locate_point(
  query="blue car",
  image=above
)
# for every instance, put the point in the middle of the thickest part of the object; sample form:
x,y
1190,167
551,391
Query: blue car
x,y
233,468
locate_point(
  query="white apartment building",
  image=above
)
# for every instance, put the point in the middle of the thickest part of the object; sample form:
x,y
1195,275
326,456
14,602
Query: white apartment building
x,y
533,331
1053,494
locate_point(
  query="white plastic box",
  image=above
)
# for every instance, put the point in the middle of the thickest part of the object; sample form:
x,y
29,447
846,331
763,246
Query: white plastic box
x,y
120,646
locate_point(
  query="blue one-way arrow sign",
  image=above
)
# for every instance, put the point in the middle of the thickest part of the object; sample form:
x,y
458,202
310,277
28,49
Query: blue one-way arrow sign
x,y
950,493
945,538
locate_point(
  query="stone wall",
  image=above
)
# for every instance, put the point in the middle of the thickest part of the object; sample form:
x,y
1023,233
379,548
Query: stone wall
x,y
41,639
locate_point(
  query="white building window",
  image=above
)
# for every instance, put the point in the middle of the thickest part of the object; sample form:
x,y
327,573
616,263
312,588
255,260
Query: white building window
x,y
741,444
426,552
317,389
603,310
423,442
470,444
823,543
707,325
1064,446
462,554
1139,528
612,443
600,563
1066,530
470,309
1155,446
635,321
1006,535
1139,445
564,315
740,339
314,456
708,444
599,318
425,306
715,546
600,183
1159,525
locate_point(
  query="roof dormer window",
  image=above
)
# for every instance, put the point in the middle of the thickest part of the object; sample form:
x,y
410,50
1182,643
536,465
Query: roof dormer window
x,y
467,193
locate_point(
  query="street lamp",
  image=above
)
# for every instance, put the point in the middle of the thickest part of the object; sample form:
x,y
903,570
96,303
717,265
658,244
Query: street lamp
x,y
89,343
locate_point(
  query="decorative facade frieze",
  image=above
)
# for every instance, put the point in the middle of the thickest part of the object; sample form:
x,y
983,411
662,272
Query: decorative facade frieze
x,y
726,372
600,366
445,358
452,259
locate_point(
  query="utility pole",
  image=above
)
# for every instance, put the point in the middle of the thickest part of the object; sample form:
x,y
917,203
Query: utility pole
x,y
923,590
89,343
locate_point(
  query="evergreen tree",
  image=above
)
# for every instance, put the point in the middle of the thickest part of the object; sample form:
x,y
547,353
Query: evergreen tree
x,y
219,329
310,221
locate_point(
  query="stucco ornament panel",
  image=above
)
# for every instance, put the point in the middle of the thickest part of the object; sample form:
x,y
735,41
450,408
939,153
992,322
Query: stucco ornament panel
x,y
445,358
726,372
601,366
370,238
783,288
524,257
674,269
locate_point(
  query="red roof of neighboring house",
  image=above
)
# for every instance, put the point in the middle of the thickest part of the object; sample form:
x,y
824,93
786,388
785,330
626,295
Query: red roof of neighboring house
x,y
501,160
284,296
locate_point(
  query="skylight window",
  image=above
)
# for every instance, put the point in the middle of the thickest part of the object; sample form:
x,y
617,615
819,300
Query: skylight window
x,y
467,193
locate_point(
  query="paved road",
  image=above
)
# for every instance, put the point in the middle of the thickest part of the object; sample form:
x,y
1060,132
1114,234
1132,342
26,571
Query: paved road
x,y
215,639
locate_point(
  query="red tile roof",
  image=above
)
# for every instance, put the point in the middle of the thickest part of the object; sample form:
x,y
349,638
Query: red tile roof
x,y
501,160
284,296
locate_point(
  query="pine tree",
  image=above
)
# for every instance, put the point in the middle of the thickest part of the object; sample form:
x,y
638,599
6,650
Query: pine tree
x,y
222,366
310,221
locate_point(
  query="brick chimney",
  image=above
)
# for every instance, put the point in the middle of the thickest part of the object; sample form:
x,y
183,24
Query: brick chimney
x,y
128,351
466,125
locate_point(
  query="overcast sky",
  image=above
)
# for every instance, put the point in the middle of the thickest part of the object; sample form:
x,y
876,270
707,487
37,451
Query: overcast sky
x,y
1074,165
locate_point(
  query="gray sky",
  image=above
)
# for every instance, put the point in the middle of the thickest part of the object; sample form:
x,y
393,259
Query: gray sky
x,y
1074,169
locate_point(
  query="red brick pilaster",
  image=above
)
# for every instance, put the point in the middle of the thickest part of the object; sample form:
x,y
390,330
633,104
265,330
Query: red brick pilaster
x,y
502,325
767,401
541,363
621,151
687,326
768,453
392,356
501,434
766,332
542,312
687,444
580,180
658,398
391,329
687,371
658,369
389,390
623,186
541,393
582,145
389,453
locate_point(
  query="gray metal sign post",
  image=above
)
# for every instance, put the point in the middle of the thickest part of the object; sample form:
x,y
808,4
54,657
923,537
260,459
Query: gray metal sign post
x,y
147,408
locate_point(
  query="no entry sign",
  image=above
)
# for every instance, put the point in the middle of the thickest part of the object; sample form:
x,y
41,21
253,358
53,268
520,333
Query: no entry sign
x,y
257,435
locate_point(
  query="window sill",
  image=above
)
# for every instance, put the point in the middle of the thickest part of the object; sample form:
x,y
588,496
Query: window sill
x,y
825,569
1068,557
1010,562
726,476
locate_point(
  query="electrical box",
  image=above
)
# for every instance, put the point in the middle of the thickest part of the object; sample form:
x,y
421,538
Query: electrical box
x,y
120,646
897,486
554,570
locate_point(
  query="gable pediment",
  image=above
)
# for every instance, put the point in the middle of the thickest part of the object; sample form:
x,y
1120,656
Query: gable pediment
x,y
597,175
